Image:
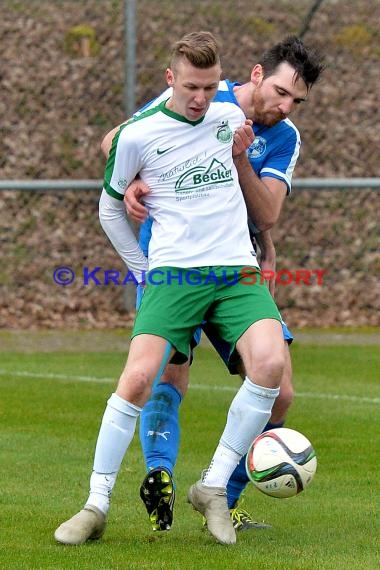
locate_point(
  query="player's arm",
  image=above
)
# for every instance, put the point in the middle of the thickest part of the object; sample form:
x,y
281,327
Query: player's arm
x,y
123,164
265,191
267,258
136,190
114,221
264,197
133,197
105,145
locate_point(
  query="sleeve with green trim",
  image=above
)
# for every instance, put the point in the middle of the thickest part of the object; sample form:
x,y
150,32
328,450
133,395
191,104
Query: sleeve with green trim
x,y
123,163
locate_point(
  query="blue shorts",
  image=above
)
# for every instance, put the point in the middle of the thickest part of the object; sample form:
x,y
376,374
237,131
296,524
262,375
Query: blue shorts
x,y
139,294
224,349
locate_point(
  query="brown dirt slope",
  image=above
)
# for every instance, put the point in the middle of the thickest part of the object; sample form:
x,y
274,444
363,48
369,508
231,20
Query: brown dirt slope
x,y
60,94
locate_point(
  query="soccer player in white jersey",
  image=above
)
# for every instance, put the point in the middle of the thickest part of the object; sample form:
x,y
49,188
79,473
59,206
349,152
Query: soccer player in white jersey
x,y
278,84
183,149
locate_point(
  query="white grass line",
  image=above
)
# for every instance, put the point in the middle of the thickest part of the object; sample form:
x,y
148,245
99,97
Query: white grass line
x,y
343,397
53,376
313,395
106,380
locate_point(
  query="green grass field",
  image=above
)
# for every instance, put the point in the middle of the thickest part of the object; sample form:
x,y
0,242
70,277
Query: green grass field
x,y
52,400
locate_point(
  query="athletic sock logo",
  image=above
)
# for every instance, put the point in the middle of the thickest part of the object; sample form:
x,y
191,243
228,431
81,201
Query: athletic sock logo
x,y
163,434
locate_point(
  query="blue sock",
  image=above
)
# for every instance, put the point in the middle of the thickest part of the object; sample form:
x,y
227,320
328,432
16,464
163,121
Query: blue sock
x,y
270,426
239,478
159,427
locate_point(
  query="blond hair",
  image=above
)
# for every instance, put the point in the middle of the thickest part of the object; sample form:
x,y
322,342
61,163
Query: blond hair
x,y
201,49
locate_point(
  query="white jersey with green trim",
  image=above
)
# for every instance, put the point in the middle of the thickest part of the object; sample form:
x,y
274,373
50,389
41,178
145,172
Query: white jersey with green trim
x,y
198,211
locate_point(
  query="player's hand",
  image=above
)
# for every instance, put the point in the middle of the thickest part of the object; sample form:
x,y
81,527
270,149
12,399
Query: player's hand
x,y
243,138
133,200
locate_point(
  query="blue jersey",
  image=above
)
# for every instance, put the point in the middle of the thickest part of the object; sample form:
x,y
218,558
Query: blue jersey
x,y
273,153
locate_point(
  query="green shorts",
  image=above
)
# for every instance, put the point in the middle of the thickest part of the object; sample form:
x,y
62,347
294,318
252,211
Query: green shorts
x,y
176,302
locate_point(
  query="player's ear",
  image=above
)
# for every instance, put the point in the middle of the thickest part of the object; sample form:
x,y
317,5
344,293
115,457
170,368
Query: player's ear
x,y
257,74
169,75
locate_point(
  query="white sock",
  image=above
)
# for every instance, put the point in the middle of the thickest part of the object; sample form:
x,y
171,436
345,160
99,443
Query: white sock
x,y
222,465
249,412
115,435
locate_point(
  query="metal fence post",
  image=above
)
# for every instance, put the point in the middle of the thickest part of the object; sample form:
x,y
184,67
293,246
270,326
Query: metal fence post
x,y
130,103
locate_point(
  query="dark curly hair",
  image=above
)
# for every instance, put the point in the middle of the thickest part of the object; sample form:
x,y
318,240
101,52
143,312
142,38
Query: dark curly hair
x,y
307,62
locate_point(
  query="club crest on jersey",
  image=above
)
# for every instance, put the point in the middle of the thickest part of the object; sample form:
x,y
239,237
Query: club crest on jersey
x,y
122,183
223,132
257,148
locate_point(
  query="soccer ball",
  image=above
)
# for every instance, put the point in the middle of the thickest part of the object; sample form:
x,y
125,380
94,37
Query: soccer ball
x,y
281,462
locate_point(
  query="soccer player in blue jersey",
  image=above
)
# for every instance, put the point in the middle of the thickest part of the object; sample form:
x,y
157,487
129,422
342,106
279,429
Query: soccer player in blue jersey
x,y
278,84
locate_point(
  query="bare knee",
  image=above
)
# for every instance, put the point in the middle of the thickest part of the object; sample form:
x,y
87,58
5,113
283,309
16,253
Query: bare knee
x,y
178,376
266,370
146,354
272,367
135,386
262,350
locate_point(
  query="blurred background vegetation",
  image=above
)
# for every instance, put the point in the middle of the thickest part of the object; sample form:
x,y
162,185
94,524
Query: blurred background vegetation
x,y
63,87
